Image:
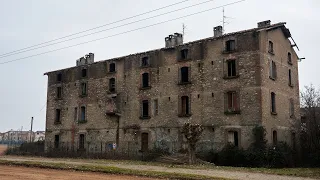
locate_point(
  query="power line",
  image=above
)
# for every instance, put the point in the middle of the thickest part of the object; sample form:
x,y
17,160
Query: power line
x,y
3,56
125,32
131,17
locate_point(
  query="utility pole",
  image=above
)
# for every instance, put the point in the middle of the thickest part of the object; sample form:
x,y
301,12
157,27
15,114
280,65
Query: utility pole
x,y
31,129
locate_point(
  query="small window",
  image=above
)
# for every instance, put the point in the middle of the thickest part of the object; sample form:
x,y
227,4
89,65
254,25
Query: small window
x,y
83,89
84,73
184,75
270,50
112,67
155,107
145,109
112,85
289,76
59,92
184,54
75,114
274,137
291,107
233,138
185,105
232,68
59,77
145,80
289,58
145,62
83,113
58,116
232,101
273,102
81,141
230,45
273,70
56,141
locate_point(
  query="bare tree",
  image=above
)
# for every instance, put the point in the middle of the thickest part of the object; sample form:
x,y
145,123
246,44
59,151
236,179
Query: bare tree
x,y
192,133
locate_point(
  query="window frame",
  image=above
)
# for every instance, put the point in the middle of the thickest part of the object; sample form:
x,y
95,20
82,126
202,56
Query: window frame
x,y
232,102
83,85
272,70
229,47
83,114
59,77
145,61
273,106
112,69
289,58
184,106
59,92
270,47
184,54
143,108
143,76
57,119
84,75
112,85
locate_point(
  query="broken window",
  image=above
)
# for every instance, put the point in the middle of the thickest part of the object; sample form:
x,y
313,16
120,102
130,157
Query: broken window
x,y
155,107
145,80
75,114
232,101
233,138
83,113
145,61
274,137
291,107
83,89
81,141
231,45
145,108
184,54
273,70
290,79
185,105
112,67
273,102
59,77
270,50
58,116
184,74
59,92
84,73
289,58
112,85
56,141
231,68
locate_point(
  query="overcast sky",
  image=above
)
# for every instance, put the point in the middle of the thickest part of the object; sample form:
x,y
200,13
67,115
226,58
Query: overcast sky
x,y
25,23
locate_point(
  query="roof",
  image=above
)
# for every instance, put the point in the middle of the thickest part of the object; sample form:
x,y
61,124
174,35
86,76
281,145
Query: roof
x,y
281,25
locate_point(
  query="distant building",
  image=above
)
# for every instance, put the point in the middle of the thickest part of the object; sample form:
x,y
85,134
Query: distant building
x,y
39,136
14,137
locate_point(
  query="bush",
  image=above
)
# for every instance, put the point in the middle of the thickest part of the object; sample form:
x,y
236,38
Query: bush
x,y
231,156
280,155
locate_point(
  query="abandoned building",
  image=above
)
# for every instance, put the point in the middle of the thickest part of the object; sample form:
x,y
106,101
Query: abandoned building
x,y
228,83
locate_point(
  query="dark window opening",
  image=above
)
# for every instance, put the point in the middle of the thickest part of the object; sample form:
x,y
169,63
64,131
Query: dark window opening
x,y
290,79
84,72
184,71
184,54
112,85
270,47
273,70
81,141
274,137
58,115
59,92
232,100
112,67
75,114
231,68
144,142
83,113
185,105
145,80
273,102
145,108
233,138
59,77
145,61
56,141
231,45
83,89
289,58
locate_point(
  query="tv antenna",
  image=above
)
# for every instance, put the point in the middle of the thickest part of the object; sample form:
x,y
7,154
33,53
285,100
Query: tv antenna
x,y
224,22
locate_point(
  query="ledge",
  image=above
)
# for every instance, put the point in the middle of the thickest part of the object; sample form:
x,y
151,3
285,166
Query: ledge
x,y
57,122
146,66
184,115
57,99
183,60
82,121
231,77
272,78
145,88
83,95
184,83
232,112
290,62
229,52
145,117
113,72
290,85
274,113
271,52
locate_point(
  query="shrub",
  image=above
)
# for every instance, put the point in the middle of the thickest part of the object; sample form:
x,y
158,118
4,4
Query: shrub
x,y
231,155
280,155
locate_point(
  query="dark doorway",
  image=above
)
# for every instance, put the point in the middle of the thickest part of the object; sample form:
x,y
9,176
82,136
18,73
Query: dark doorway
x,y
144,142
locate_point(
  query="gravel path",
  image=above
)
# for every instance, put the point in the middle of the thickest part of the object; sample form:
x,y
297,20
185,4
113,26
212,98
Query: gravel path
x,y
206,172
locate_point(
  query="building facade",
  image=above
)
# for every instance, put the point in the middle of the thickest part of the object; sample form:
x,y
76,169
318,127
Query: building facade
x,y
228,83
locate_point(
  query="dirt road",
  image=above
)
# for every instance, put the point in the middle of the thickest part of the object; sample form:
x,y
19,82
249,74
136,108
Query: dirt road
x,y
17,173
2,149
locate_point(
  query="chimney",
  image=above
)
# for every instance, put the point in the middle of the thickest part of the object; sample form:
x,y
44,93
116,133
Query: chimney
x,y
174,40
264,23
87,59
217,31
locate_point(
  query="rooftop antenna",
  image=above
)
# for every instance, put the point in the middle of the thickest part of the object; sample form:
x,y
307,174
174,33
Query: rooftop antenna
x,y
183,30
224,22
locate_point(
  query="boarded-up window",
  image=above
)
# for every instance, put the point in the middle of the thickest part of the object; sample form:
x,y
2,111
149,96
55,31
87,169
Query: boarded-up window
x,y
185,109
233,138
232,101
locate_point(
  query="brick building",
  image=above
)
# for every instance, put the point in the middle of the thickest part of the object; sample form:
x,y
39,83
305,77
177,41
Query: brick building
x,y
229,83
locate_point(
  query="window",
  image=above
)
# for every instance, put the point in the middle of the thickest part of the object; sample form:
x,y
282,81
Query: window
x,y
84,89
75,114
56,141
84,73
185,106
81,141
273,70
59,92
83,114
274,137
145,109
230,45
145,80
289,58
184,54
184,75
145,61
270,49
232,101
155,107
291,107
290,79
112,85
233,138
231,68
59,77
273,102
58,116
112,67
